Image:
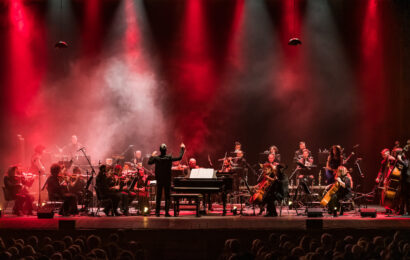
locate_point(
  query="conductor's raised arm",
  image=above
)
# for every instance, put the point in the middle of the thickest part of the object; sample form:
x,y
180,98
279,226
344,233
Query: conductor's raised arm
x,y
181,153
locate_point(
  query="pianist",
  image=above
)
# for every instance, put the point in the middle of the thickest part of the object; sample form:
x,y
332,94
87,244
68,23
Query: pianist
x,y
163,164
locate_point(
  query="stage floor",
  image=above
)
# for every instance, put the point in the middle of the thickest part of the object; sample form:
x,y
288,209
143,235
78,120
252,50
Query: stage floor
x,y
213,221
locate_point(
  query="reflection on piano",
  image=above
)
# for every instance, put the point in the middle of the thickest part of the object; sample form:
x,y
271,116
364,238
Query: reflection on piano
x,y
221,185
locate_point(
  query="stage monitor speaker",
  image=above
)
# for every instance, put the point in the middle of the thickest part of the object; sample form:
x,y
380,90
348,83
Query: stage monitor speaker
x,y
369,212
314,212
66,225
46,212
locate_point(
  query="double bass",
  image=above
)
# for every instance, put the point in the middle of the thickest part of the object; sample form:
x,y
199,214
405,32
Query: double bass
x,y
392,186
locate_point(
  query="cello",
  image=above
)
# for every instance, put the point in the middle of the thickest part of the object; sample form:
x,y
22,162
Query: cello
x,y
334,188
265,184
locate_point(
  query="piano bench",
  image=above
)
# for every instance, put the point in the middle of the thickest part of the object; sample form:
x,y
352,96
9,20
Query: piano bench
x,y
178,196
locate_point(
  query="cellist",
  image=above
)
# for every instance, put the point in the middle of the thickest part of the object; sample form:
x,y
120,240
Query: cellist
x,y
270,188
344,191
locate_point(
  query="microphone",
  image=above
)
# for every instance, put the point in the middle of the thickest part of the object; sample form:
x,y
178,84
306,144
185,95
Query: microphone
x,y
82,148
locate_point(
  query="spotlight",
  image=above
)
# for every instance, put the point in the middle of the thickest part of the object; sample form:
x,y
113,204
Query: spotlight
x,y
294,41
290,203
61,45
145,210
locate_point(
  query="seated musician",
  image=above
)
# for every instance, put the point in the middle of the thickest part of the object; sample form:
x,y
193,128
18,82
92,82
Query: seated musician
x,y
14,184
403,159
334,160
344,191
77,184
275,151
140,190
137,157
192,164
119,184
239,161
272,159
227,164
104,184
303,164
179,169
299,153
57,190
272,188
238,147
386,165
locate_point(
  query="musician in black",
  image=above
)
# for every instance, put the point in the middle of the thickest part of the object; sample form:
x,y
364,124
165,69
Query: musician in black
x,y
299,153
77,184
274,192
104,184
139,189
344,191
119,185
272,159
386,165
57,191
238,147
334,160
403,159
273,149
14,184
163,164
304,165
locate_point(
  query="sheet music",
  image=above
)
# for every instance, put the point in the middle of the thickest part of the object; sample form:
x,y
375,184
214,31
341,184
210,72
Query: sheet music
x,y
202,173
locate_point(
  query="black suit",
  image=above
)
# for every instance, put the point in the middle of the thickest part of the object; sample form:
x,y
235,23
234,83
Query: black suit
x,y
405,187
103,184
163,164
56,191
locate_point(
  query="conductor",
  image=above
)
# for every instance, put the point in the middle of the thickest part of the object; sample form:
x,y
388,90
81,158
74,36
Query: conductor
x,y
163,164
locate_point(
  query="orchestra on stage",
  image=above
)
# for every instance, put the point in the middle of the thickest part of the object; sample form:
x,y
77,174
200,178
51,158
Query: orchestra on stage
x,y
133,178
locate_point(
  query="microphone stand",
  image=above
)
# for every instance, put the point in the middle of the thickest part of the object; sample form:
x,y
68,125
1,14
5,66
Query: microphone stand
x,y
89,181
39,190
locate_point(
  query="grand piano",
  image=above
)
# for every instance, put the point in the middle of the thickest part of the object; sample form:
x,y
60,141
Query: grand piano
x,y
206,186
